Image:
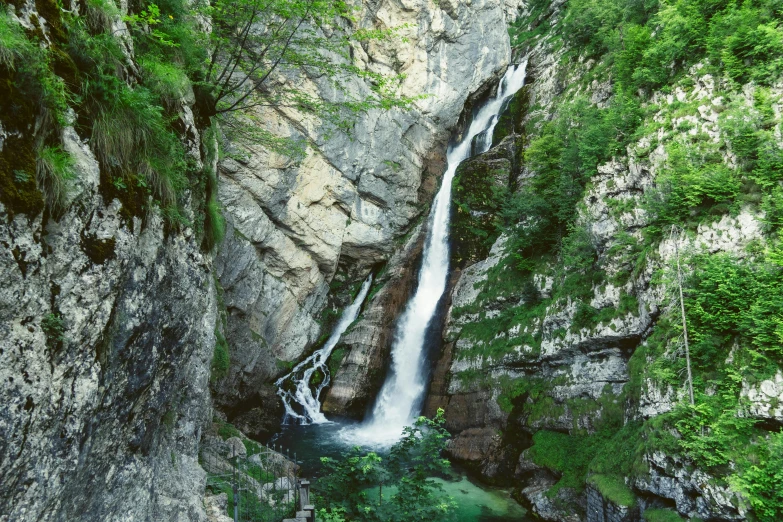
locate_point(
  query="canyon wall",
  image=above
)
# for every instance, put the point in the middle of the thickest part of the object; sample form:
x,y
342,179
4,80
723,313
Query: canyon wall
x,y
106,337
544,365
350,205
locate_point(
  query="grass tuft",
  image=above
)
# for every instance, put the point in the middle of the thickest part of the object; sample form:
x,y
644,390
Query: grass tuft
x,y
53,169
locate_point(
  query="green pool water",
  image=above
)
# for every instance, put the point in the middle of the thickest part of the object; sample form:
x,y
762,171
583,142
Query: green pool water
x,y
475,502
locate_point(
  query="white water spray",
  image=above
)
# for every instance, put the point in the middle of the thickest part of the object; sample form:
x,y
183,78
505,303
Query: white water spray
x,y
400,398
302,393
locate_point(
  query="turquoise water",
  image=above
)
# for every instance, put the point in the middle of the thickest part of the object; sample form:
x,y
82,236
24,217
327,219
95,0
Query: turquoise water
x,y
475,502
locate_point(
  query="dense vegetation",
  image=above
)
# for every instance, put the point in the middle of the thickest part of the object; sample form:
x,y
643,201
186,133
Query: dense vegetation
x,y
128,103
653,57
397,486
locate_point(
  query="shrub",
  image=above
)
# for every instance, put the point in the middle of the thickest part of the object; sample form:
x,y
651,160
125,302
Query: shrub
x,y
220,358
54,167
762,483
693,184
53,327
32,71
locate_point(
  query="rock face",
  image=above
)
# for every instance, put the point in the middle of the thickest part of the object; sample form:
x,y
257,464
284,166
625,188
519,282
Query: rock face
x,y
107,325
107,328
346,206
518,360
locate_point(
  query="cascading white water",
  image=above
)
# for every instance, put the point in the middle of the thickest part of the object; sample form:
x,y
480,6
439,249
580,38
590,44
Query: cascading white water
x,y
401,395
302,394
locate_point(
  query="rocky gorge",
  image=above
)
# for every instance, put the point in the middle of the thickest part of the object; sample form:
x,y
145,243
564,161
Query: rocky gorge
x,y
128,335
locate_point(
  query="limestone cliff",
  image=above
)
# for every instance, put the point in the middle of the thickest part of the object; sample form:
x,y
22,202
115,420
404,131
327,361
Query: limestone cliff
x,y
544,358
347,206
107,320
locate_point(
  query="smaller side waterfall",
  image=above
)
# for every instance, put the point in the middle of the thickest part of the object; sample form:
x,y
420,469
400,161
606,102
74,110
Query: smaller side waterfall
x,y
301,393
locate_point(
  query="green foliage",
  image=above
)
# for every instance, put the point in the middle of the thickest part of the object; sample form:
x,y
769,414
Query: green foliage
x,y
564,156
747,40
614,489
661,515
53,328
648,42
14,46
694,183
733,306
134,141
352,486
569,455
220,358
762,482
31,69
54,168
167,80
751,135
242,62
730,299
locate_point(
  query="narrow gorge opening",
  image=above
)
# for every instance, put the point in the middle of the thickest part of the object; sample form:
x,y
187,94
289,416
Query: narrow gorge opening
x,y
401,397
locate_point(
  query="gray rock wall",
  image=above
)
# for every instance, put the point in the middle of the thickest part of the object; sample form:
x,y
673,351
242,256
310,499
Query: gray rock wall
x,y
106,338
104,423
347,204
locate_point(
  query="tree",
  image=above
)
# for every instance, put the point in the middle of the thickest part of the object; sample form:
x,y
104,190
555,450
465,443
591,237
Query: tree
x,y
684,324
259,49
353,486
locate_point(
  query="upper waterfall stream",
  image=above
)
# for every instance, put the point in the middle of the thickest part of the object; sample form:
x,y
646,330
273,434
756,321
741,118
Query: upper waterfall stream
x,y
400,397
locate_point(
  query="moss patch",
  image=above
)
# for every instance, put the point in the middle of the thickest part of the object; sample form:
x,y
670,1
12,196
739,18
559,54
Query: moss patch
x,y
18,189
98,250
661,515
613,489
479,189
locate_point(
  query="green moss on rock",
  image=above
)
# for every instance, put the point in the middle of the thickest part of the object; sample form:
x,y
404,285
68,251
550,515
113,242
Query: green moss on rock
x,y
512,116
18,189
480,185
98,250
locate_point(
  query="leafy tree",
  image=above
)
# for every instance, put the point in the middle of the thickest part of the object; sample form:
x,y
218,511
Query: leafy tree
x,y
353,486
259,49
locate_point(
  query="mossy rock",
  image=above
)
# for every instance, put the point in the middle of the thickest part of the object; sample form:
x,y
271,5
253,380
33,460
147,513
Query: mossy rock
x,y
18,188
480,185
614,489
512,116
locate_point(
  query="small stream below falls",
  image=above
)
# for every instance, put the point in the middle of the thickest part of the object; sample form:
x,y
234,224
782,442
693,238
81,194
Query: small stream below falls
x,y
309,435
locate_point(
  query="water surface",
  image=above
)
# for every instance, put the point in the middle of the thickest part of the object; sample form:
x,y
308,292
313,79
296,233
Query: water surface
x,y
475,502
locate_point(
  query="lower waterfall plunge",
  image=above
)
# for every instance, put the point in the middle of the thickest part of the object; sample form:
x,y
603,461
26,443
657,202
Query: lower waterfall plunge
x,y
302,394
401,395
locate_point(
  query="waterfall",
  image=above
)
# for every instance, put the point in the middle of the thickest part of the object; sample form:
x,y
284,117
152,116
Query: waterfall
x,y
302,394
400,397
